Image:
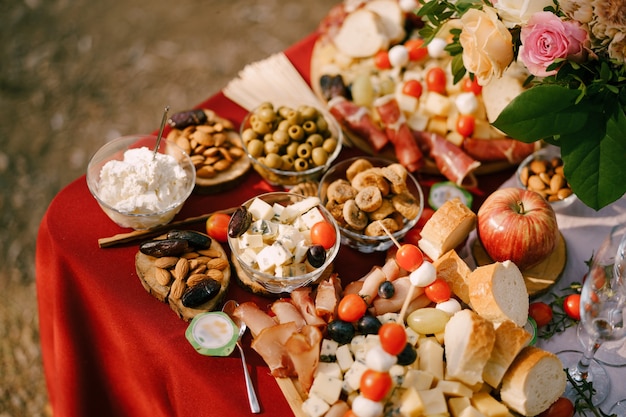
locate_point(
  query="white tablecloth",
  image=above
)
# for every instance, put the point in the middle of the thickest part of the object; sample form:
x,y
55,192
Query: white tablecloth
x,y
583,229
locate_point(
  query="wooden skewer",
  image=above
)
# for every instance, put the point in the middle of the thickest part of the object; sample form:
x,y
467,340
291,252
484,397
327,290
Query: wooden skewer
x,y
118,239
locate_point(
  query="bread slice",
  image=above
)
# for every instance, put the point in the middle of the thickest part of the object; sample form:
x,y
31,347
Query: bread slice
x,y
447,228
469,340
498,293
361,35
533,382
510,340
455,272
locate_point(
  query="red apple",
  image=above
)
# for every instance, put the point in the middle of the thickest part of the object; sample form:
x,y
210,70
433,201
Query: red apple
x,y
517,225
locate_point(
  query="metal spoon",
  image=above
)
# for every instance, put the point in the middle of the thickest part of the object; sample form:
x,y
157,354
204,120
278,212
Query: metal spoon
x,y
228,308
158,141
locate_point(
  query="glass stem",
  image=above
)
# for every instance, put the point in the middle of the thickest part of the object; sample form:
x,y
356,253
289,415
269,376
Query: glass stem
x,y
581,370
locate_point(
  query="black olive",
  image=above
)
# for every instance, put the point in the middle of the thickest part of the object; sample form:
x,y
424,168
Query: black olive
x,y
340,331
195,239
386,289
200,293
239,222
316,255
368,324
333,86
407,356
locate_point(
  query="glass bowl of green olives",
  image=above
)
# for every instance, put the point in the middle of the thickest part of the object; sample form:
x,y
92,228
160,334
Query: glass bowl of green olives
x,y
373,200
290,145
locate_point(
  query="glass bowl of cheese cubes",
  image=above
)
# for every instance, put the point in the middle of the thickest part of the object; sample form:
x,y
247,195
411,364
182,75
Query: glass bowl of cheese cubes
x,y
271,241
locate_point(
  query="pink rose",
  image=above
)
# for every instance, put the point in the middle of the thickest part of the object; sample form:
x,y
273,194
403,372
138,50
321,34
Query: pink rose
x,y
547,38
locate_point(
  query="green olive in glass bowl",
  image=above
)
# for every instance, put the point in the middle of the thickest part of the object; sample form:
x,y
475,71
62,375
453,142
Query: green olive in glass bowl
x,y
291,145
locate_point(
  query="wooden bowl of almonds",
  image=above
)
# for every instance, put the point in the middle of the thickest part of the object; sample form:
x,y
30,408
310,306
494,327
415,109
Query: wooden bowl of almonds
x,y
543,172
215,148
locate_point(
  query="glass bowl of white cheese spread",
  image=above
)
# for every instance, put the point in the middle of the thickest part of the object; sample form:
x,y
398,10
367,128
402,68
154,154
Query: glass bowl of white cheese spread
x,y
280,247
136,187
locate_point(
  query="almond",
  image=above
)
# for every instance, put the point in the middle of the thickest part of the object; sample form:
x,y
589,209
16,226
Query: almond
x,y
195,279
181,269
162,276
178,288
217,263
215,274
166,262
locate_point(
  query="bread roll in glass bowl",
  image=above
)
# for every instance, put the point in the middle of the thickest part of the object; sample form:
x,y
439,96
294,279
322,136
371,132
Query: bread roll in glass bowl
x,y
370,198
136,188
543,172
288,145
276,245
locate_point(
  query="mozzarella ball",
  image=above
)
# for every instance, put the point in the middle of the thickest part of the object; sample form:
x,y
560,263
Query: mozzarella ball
x,y
466,103
364,407
379,360
436,48
450,306
398,56
424,275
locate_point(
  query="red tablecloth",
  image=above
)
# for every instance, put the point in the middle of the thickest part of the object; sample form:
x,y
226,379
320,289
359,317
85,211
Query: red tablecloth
x,y
110,348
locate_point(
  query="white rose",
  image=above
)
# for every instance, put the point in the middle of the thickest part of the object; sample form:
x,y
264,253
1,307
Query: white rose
x,y
517,12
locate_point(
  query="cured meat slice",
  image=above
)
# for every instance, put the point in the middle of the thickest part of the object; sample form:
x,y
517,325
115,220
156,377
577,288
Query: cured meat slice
x,y
451,161
399,133
358,120
500,149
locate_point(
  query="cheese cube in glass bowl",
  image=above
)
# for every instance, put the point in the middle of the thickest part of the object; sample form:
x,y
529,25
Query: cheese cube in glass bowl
x,y
273,245
136,188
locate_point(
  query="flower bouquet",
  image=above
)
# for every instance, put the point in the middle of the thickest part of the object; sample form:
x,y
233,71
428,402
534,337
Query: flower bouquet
x,y
574,55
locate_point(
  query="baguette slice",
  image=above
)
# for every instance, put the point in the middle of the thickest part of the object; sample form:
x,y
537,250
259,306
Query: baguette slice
x,y
510,340
533,382
498,293
362,34
469,340
455,272
447,228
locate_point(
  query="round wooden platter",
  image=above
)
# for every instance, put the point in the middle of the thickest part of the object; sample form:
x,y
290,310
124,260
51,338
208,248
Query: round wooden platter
x,y
248,284
146,269
541,277
322,57
227,179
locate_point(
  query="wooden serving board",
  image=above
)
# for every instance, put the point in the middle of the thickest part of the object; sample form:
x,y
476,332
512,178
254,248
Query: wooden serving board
x,y
541,277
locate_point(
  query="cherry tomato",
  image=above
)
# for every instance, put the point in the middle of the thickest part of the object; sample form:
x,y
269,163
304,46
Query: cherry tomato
x,y
217,226
350,413
412,88
465,124
392,337
381,60
540,312
409,257
571,305
351,307
375,385
471,86
562,407
436,80
439,291
323,233
416,49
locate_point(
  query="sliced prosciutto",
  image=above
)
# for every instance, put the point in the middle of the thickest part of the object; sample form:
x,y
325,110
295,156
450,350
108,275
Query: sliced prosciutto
x,y
501,149
303,350
452,161
327,297
302,299
255,318
358,120
270,345
407,150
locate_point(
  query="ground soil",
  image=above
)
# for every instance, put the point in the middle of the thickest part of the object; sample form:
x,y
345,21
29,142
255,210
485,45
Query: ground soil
x,y
74,74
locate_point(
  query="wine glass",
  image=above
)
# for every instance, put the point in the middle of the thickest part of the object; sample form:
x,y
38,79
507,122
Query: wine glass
x,y
602,309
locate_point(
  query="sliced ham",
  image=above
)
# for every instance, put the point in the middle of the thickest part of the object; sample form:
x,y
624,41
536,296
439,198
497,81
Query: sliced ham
x,y
498,149
399,133
270,345
453,162
302,299
327,297
255,318
287,312
394,304
358,120
303,350
371,282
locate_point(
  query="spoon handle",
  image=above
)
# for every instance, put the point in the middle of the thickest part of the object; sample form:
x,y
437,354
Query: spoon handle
x,y
252,399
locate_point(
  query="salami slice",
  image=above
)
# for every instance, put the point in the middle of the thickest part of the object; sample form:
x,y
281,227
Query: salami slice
x,y
358,120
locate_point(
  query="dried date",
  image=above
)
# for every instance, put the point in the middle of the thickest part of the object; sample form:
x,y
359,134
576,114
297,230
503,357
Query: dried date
x,y
164,247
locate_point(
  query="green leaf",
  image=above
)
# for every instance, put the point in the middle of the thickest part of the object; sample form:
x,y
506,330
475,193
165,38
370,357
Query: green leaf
x,y
541,112
594,160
